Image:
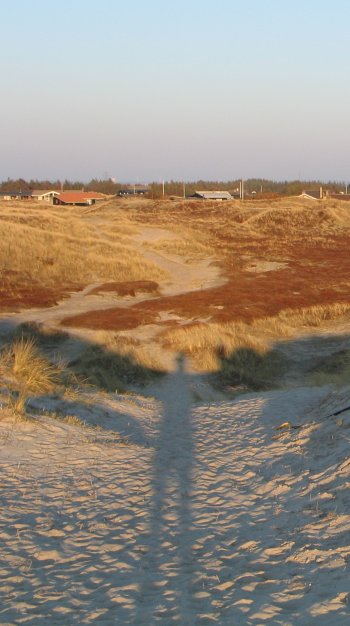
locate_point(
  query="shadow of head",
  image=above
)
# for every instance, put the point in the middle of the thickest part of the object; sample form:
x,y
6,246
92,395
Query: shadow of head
x,y
180,362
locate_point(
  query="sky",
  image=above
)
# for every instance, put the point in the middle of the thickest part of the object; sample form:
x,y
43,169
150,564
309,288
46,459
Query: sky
x,y
151,90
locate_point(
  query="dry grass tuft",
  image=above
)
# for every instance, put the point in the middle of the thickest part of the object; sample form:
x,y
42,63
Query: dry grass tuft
x,y
313,316
28,370
186,245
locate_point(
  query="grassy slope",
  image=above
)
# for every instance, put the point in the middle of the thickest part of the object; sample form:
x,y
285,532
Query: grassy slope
x,y
310,239
47,249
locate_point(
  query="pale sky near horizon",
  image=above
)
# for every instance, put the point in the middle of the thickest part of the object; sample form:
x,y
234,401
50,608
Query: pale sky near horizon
x,y
184,90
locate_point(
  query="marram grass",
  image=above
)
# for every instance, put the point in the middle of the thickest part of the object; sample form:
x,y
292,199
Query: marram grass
x,y
28,370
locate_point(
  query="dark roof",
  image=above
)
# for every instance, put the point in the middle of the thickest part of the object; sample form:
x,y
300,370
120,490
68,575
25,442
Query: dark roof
x,y
213,195
16,193
311,193
130,191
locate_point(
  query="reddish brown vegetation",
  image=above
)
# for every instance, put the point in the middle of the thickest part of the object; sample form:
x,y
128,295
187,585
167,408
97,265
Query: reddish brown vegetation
x,y
310,241
16,292
314,276
130,288
314,249
110,319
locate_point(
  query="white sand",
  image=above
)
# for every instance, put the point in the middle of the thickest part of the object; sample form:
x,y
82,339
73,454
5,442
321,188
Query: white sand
x,y
205,517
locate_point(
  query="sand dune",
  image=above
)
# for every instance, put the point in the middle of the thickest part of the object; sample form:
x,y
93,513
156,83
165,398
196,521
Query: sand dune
x,y
175,507
209,514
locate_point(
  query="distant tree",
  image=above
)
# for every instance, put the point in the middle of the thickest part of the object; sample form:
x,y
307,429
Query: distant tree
x,y
107,186
15,185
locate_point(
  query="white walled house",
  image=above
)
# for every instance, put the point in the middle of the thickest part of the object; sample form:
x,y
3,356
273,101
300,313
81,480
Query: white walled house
x,y
44,194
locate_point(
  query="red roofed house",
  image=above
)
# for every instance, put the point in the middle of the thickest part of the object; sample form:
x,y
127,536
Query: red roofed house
x,y
80,198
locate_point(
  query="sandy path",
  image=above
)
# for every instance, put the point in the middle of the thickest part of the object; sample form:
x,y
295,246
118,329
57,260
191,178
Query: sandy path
x,y
183,276
205,517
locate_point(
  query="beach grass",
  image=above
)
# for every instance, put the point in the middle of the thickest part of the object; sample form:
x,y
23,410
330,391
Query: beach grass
x,y
28,371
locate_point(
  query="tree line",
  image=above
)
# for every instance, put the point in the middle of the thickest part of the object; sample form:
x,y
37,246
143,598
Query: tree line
x,y
176,188
258,186
20,185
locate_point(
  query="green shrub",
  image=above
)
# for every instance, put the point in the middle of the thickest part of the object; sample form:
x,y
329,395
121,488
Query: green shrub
x,y
254,370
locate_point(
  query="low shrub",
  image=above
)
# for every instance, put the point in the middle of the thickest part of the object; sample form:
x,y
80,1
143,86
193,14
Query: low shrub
x,y
251,369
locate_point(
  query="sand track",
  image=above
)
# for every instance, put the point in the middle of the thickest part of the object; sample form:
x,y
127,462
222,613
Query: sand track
x,y
183,276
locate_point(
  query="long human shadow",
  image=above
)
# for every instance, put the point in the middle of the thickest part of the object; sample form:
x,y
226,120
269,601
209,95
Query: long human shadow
x,y
166,570
164,567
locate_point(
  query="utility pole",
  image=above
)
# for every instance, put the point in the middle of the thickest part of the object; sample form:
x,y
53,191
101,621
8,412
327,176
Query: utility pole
x,y
163,189
242,189
184,191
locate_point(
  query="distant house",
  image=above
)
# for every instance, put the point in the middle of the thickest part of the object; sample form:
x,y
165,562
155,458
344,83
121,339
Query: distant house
x,y
213,195
78,198
15,195
132,190
313,194
44,194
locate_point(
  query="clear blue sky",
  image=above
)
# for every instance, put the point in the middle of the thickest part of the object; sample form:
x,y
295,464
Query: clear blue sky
x,y
175,89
